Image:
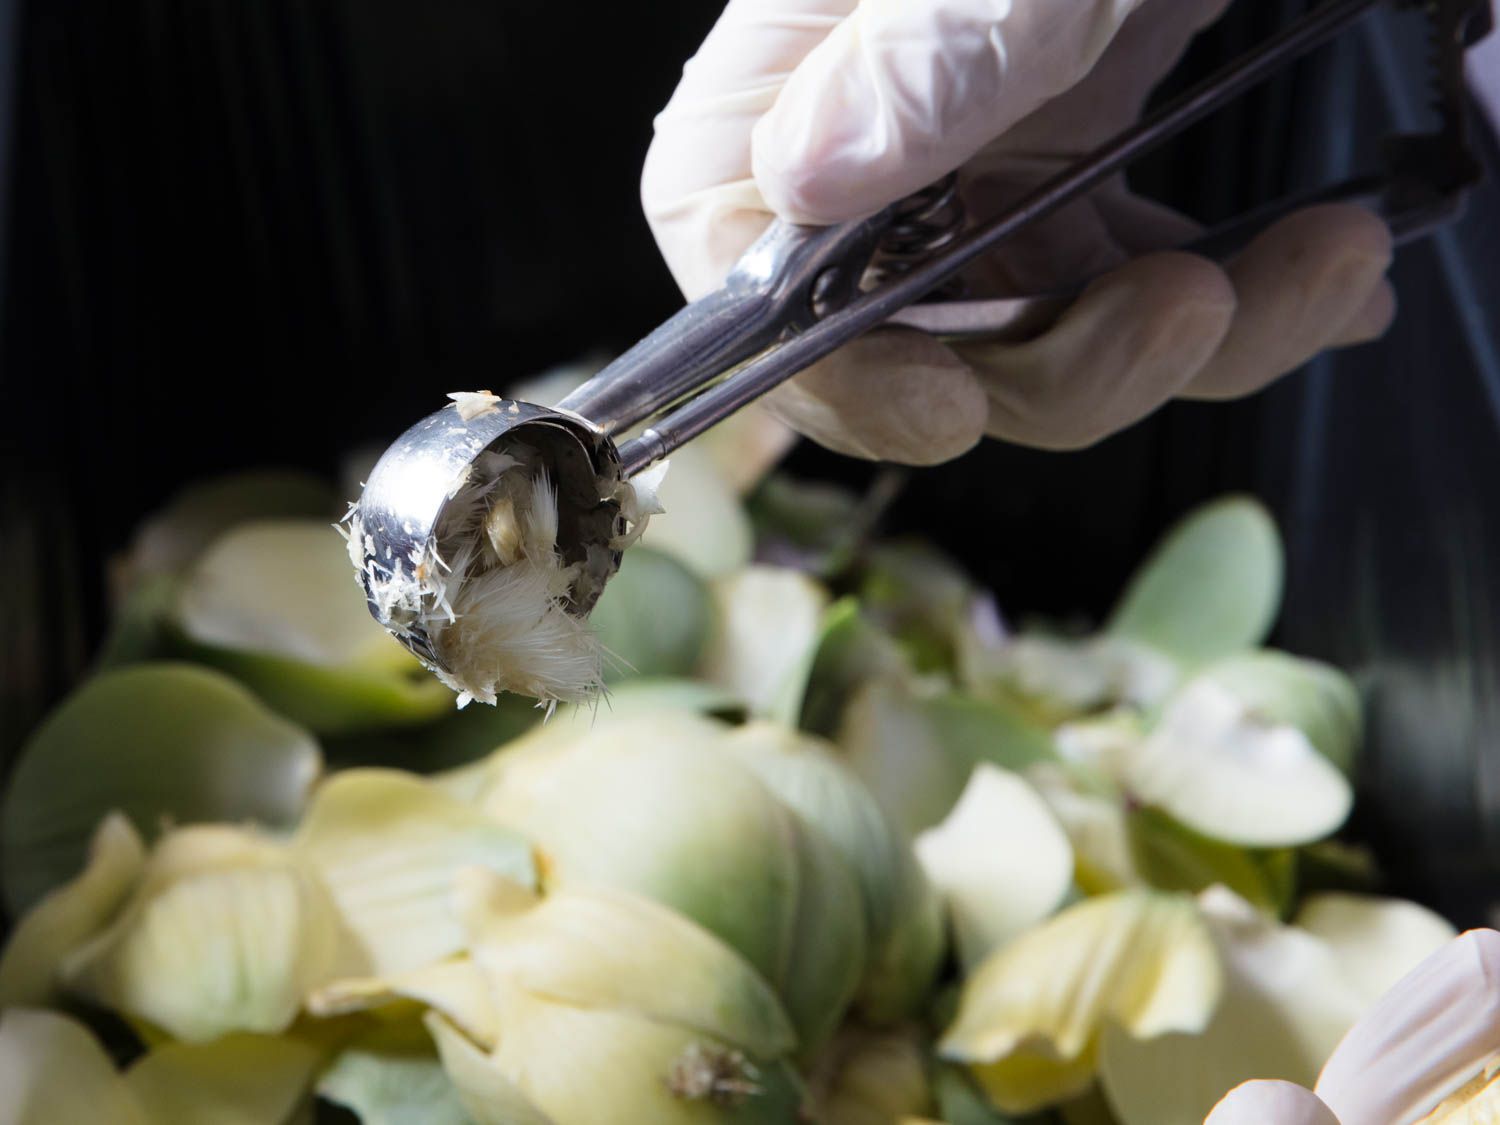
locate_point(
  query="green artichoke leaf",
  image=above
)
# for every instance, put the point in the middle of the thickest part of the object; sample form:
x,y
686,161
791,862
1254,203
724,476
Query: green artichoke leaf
x,y
160,742
654,617
275,604
1172,857
172,539
850,651
1211,587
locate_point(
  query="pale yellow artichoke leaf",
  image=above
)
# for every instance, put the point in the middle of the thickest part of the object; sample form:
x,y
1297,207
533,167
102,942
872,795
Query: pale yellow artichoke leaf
x,y
1475,1103
225,932
1098,744
171,539
474,781
1270,1101
765,638
865,1077
638,724
1315,698
1377,940
275,603
1036,1076
1062,677
703,524
198,849
597,948
1423,1040
656,808
647,805
486,1094
144,581
1095,818
462,748
1031,1014
70,914
284,588
586,1065
1000,860
1163,976
387,845
53,1072
1285,1006
457,988
159,743
235,1080
387,1086
1214,764
625,716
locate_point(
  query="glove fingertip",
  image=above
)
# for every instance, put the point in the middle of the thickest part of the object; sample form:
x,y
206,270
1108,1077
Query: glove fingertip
x,y
894,395
1265,1100
1130,342
1373,319
826,174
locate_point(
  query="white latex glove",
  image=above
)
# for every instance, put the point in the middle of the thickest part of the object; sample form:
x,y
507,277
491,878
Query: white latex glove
x,y
825,110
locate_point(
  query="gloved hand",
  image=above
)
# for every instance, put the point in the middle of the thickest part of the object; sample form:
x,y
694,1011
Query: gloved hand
x,y
825,110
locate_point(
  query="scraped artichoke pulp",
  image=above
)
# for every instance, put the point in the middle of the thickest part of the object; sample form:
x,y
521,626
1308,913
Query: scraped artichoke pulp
x,y
503,588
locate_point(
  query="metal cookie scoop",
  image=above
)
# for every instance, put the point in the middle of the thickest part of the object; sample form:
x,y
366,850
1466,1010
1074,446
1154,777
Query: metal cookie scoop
x,y
795,296
397,530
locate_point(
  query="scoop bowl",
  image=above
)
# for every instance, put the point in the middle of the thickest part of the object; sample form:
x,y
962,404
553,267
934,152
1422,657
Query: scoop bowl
x,y
397,532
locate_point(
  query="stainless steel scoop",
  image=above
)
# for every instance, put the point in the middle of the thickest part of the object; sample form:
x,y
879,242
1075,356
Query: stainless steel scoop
x,y
801,292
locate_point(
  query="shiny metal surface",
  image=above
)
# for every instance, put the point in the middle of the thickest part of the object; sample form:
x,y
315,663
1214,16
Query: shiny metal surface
x,y
769,295
923,224
400,511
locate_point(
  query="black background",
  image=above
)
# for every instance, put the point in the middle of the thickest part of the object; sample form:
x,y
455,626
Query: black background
x,y
253,232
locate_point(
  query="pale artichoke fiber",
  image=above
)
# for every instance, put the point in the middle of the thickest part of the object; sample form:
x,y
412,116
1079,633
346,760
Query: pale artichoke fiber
x,y
496,597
